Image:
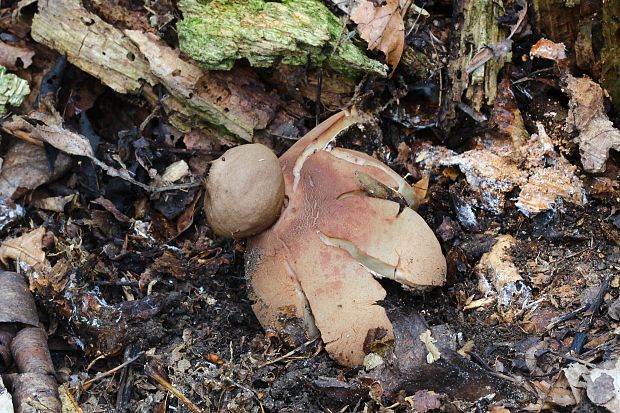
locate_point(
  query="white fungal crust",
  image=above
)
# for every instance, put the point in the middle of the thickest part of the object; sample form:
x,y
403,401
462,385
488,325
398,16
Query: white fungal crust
x,y
319,261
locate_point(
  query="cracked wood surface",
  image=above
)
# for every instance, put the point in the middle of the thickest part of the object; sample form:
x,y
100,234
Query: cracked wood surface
x,y
91,44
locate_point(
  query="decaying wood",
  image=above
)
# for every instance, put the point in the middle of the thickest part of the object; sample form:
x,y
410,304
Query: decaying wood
x,y
478,30
235,103
557,20
16,302
91,44
296,32
611,50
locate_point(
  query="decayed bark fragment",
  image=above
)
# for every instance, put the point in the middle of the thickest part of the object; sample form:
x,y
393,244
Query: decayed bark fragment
x,y
234,101
91,44
558,20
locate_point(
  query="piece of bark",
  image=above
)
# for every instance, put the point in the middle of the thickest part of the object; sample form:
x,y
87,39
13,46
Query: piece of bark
x,y
557,21
29,349
235,101
91,44
34,393
478,30
34,388
16,302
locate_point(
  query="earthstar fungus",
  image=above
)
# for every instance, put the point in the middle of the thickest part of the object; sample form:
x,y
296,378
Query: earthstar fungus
x,y
313,272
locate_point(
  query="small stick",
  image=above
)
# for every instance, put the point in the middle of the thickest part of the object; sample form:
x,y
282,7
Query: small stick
x,y
287,355
112,371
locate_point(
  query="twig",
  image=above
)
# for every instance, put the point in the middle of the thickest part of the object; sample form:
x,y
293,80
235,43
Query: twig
x,y
566,317
112,371
573,359
289,354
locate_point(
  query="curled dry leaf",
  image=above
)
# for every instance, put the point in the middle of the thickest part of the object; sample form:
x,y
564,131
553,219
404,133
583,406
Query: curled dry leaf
x,y
25,167
383,28
313,271
27,248
587,117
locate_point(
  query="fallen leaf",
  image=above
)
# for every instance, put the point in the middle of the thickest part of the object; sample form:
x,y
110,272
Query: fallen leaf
x,y
27,248
383,28
54,203
25,167
587,116
603,385
14,57
424,400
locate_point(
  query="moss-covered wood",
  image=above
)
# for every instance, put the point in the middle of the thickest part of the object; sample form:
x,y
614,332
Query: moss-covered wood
x,y
216,33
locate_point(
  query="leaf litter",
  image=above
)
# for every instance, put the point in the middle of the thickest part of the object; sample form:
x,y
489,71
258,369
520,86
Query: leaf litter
x,y
141,301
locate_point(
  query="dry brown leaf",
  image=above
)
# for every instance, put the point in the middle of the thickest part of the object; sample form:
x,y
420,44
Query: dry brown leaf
x,y
54,203
14,57
587,117
73,144
424,400
27,248
383,28
25,166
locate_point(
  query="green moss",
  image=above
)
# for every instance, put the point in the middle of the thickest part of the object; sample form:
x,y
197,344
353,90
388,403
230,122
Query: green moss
x,y
216,33
13,90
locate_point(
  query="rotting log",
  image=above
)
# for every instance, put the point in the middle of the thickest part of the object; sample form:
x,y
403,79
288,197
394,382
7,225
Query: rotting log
x,y
91,44
558,20
295,32
234,104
